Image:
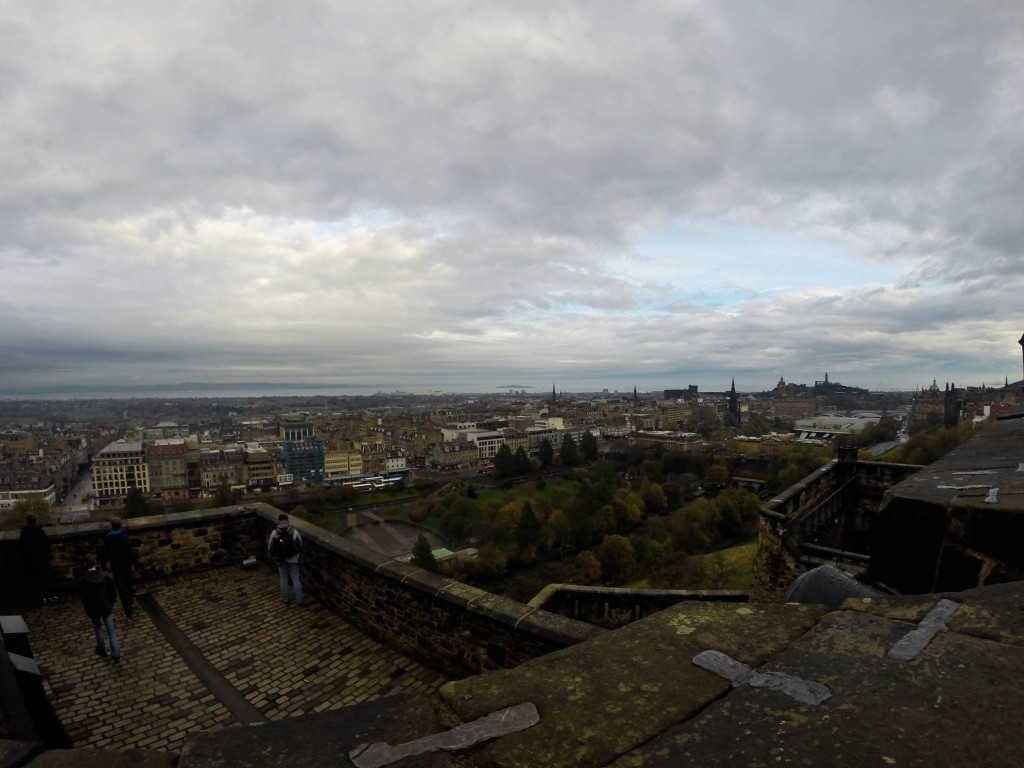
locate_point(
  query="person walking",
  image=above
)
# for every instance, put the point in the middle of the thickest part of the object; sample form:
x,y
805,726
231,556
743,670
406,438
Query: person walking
x,y
284,546
121,558
36,555
97,591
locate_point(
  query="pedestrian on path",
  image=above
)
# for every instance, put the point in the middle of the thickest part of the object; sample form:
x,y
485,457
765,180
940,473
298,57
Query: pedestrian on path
x,y
36,555
121,558
284,546
97,591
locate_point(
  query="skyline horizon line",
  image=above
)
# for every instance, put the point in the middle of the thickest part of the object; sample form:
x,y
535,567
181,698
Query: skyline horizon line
x,y
342,389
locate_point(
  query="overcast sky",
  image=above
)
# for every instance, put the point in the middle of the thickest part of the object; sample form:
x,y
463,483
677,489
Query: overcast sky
x,y
465,195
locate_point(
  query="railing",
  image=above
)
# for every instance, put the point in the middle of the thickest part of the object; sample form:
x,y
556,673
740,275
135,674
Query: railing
x,y
824,516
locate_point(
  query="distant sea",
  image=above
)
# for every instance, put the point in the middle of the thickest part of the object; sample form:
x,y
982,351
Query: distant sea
x,y
199,390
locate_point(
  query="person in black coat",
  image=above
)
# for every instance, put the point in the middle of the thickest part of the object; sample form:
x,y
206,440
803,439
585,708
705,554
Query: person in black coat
x,y
36,555
121,558
98,592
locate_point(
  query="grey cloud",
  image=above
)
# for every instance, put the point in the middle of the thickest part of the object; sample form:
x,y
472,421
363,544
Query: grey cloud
x,y
364,187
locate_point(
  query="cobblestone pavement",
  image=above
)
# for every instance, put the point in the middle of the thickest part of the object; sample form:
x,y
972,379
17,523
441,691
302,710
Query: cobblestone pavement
x,y
286,660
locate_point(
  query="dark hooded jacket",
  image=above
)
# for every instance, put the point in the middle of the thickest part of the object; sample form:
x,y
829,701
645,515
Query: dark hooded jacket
x,y
98,593
119,552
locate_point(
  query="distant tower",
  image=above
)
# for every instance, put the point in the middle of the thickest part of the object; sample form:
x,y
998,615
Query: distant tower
x,y
634,394
734,406
554,397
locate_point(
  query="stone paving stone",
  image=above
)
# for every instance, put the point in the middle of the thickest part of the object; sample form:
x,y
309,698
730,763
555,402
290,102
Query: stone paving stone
x,y
295,659
936,710
602,697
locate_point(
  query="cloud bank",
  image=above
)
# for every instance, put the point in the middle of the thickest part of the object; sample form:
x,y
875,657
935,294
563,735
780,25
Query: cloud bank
x,y
456,194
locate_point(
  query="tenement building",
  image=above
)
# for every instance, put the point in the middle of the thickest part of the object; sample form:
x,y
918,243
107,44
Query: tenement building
x,y
117,468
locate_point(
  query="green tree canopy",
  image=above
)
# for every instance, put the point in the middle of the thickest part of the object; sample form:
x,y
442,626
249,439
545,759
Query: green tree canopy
x,y
588,446
136,504
302,513
32,504
528,531
225,496
616,556
423,555
522,461
568,452
545,453
504,462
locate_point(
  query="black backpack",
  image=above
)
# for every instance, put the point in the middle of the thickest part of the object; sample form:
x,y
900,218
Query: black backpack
x,y
283,544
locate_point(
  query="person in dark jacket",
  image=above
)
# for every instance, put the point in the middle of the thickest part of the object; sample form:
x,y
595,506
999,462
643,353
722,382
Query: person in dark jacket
x,y
284,546
36,555
98,592
121,558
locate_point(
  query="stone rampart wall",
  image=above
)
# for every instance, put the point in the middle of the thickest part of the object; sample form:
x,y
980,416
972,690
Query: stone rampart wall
x,y
167,544
449,626
446,625
614,607
779,561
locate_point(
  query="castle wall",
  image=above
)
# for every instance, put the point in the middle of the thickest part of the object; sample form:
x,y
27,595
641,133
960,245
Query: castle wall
x,y
442,623
780,560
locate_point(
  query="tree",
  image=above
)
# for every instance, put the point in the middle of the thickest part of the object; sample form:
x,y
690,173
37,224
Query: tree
x,y
423,555
33,504
504,462
528,531
568,452
585,569
588,446
460,519
716,476
302,513
489,563
226,496
617,557
545,453
135,503
522,461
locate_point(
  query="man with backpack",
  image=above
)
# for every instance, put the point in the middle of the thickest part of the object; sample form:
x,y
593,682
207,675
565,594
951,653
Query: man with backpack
x,y
284,546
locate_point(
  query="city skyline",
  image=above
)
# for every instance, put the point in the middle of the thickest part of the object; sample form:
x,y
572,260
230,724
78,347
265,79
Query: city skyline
x,y
451,195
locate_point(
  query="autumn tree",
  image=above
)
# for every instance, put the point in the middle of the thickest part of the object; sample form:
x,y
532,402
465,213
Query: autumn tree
x,y
528,531
585,569
617,557
31,504
716,476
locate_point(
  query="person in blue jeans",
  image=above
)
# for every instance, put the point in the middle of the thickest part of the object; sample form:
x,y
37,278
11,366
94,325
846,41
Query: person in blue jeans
x,y
284,546
122,559
98,593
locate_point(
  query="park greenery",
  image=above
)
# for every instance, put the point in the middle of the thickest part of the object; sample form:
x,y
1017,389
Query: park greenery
x,y
643,515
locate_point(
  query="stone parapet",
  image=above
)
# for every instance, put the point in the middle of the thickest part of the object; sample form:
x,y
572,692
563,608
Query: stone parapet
x,y
447,625
614,607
